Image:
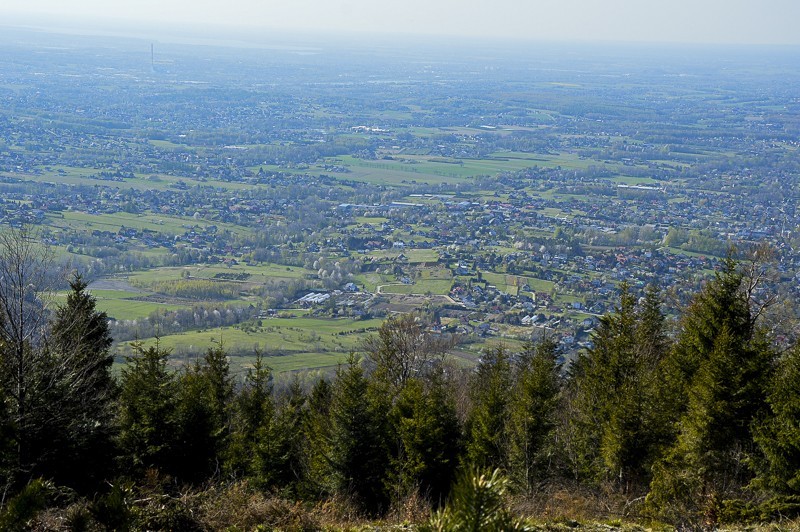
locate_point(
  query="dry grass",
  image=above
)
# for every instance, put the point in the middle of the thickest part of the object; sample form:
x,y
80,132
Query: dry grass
x,y
237,507
577,503
413,508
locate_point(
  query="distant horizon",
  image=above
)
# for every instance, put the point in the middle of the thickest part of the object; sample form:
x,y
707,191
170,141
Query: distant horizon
x,y
680,22
243,36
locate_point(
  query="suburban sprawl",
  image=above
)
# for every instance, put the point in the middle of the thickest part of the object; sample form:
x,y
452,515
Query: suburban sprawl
x,y
288,198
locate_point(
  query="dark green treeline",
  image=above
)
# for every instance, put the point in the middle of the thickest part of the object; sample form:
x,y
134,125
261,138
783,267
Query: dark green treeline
x,y
703,423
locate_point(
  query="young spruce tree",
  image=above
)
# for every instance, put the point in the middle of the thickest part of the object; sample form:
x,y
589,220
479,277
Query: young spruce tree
x,y
716,380
428,432
289,459
80,342
534,399
487,422
316,432
778,436
250,450
613,393
148,406
359,452
205,395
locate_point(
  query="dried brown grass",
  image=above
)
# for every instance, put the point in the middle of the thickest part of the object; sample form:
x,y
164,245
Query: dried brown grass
x,y
559,502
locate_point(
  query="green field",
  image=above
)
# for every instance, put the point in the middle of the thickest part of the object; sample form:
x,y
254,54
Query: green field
x,y
82,176
414,256
371,281
123,304
160,223
123,309
378,173
422,287
423,168
259,274
288,343
375,220
510,284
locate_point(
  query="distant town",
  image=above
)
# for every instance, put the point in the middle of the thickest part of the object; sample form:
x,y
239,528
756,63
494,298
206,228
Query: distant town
x,y
503,207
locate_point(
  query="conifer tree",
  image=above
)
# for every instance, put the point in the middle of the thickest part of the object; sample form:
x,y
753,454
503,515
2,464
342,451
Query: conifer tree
x,y
534,398
487,423
650,337
205,394
600,378
148,404
428,432
288,458
80,342
718,373
613,391
254,418
54,370
719,305
359,453
478,503
278,452
82,331
316,431
778,436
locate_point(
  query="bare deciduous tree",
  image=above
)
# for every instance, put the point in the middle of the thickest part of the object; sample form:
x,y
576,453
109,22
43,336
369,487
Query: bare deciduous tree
x,y
404,348
54,366
25,293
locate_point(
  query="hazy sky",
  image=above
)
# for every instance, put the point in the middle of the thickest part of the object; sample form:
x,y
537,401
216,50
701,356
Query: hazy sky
x,y
694,21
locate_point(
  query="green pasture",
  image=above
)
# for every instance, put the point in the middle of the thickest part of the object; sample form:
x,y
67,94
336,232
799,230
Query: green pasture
x,y
374,220
414,256
167,145
540,285
527,160
288,343
294,362
510,284
241,363
123,304
436,170
113,222
127,304
146,277
436,273
434,286
323,325
122,309
629,180
430,167
104,294
371,281
378,173
172,225
71,175
259,273
81,176
420,131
